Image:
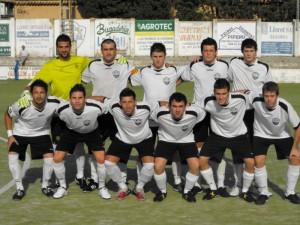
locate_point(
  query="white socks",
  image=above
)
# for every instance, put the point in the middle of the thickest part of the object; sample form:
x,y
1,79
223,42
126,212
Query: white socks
x,y
15,169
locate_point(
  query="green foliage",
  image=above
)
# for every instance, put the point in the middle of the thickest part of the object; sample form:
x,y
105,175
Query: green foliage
x,y
191,10
151,9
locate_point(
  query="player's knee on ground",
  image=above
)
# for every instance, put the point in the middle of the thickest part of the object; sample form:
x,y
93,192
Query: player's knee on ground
x,y
59,156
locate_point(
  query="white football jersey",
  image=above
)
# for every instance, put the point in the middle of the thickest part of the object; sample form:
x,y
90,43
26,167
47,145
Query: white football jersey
x,y
177,131
131,129
204,77
32,122
85,122
273,123
158,85
227,121
107,80
248,77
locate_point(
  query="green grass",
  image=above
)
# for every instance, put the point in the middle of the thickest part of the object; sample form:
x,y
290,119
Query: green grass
x,y
89,208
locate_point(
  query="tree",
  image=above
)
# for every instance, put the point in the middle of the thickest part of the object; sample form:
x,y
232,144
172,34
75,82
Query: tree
x,y
150,9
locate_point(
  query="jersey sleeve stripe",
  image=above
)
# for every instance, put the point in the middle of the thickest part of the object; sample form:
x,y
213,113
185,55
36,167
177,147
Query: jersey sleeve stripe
x,y
94,105
284,106
295,128
210,98
62,108
21,110
258,99
191,113
266,65
116,105
53,100
238,96
162,113
143,107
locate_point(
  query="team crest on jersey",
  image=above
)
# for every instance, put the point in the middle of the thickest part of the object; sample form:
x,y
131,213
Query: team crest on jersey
x,y
255,75
86,122
138,121
166,80
234,111
116,73
217,76
184,128
275,121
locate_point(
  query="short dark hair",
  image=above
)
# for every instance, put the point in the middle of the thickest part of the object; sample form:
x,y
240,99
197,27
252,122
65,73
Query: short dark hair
x,y
178,97
38,83
108,41
248,43
158,47
270,86
209,41
63,38
127,92
222,83
78,88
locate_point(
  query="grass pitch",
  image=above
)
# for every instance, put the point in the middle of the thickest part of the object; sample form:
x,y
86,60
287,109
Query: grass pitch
x,y
89,208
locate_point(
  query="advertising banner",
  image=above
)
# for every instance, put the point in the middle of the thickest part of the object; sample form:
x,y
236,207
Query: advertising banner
x,y
117,29
36,35
230,35
277,38
191,35
148,32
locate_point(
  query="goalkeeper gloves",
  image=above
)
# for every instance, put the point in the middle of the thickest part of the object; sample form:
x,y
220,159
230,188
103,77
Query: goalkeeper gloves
x,y
25,99
121,59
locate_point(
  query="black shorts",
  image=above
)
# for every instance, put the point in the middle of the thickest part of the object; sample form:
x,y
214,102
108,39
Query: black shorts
x,y
122,150
249,120
215,147
70,138
57,127
202,129
283,146
166,150
107,126
154,131
39,146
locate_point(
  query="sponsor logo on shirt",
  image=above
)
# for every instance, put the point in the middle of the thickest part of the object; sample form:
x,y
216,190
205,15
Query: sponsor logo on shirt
x,y
234,111
166,80
275,121
116,73
138,121
217,76
184,128
255,75
86,122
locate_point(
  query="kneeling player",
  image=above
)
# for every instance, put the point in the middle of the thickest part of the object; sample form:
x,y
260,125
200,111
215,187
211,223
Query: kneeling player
x,y
80,116
175,133
31,127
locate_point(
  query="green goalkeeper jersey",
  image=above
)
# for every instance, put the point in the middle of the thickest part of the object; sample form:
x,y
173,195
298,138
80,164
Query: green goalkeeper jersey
x,y
61,75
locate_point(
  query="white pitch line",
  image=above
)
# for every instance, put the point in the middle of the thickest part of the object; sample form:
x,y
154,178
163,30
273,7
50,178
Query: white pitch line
x,y
25,167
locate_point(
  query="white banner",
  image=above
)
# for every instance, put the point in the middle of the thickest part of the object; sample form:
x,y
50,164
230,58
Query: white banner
x,y
231,34
82,35
117,29
190,36
36,35
24,72
277,38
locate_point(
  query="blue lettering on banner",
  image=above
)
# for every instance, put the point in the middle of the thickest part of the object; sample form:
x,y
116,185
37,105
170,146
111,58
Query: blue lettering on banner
x,y
277,48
